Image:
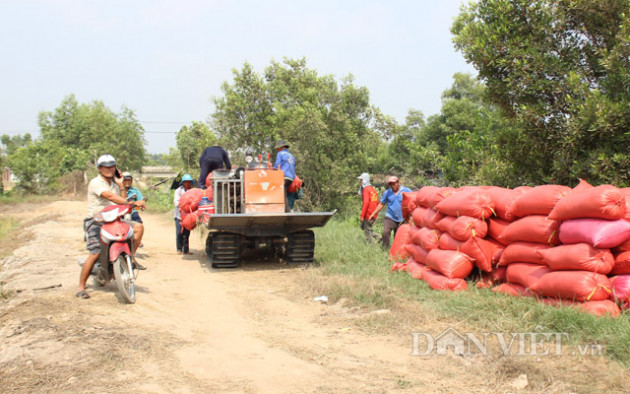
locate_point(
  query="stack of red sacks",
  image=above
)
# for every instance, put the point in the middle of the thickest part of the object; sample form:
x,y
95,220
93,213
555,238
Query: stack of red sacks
x,y
588,267
523,228
189,204
446,236
565,246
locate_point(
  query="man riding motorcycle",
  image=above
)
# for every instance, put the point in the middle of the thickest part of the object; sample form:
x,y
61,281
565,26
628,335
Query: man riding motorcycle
x,y
104,190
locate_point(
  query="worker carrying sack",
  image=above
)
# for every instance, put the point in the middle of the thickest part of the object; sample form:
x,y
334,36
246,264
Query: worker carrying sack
x,y
296,185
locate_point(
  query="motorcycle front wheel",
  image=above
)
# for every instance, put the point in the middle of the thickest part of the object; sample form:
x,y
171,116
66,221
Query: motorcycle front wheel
x,y
123,273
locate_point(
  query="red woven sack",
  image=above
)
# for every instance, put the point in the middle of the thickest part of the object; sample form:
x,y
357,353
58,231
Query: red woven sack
x,y
189,220
445,223
621,290
626,193
189,201
296,185
416,269
504,201
441,194
534,228
447,242
397,252
603,202
582,257
600,233
526,252
513,289
622,264
582,185
427,238
437,281
526,274
408,204
499,275
418,253
624,247
495,229
484,252
400,266
426,195
432,218
601,308
573,285
539,200
417,216
476,203
466,227
450,263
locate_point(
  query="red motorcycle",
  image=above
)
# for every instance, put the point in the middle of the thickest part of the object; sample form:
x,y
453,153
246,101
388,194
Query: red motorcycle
x,y
116,261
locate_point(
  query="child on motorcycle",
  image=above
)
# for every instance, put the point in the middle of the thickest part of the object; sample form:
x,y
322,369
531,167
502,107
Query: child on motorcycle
x,y
133,194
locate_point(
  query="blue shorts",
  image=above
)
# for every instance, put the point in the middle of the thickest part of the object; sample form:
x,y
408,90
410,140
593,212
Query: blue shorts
x,y
135,216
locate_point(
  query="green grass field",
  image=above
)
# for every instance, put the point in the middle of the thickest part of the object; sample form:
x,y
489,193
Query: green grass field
x,y
357,271
7,225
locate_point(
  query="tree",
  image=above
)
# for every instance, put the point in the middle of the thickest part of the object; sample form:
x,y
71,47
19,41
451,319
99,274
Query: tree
x,y
243,115
12,144
191,141
327,124
560,70
87,131
38,166
72,138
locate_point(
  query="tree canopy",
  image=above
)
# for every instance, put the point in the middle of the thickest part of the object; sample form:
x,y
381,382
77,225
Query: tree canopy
x,y
72,138
560,70
328,123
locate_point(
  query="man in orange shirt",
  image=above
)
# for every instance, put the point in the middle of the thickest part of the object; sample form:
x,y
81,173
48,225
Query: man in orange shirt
x,y
370,201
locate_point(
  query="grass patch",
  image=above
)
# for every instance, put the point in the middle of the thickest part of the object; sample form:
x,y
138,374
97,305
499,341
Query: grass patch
x,y
7,225
160,200
13,198
352,269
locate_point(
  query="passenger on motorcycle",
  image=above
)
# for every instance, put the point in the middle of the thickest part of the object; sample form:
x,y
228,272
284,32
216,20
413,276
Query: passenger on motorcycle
x,y
104,190
133,194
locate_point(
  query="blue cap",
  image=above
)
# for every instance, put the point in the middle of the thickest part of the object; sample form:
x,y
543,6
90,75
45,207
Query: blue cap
x,y
186,177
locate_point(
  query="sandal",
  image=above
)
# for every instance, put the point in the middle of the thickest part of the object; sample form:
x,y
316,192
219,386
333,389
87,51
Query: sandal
x,y
82,294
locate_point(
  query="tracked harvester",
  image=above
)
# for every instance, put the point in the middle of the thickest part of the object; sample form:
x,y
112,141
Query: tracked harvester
x,y
250,214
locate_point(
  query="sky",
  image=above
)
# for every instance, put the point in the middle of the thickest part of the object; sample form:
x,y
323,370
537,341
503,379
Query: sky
x,y
167,59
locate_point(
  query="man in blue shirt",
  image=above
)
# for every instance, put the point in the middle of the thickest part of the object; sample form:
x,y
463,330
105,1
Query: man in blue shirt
x,y
393,217
286,162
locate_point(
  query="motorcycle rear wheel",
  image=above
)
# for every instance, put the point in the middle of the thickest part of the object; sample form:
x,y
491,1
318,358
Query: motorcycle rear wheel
x,y
123,273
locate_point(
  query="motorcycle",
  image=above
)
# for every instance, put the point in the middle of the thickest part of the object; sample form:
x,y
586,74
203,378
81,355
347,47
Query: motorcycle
x,y
116,261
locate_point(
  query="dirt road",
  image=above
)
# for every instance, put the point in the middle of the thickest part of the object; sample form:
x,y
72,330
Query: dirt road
x,y
194,329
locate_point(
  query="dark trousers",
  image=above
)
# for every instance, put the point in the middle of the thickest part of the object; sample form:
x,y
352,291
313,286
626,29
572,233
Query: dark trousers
x,y
388,226
289,200
182,236
370,235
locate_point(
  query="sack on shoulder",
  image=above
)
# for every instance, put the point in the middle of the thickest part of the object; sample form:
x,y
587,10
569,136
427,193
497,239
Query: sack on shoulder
x,y
295,185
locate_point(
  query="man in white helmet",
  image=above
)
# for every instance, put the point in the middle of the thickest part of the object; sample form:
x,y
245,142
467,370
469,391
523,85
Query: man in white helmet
x,y
104,190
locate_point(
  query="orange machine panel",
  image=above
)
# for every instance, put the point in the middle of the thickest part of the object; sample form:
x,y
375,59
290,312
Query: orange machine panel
x,y
264,190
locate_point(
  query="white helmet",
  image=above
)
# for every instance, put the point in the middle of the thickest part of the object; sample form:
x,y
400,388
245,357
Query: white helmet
x,y
106,161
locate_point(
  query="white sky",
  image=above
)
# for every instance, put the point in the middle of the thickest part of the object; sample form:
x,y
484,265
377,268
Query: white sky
x,y
166,59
